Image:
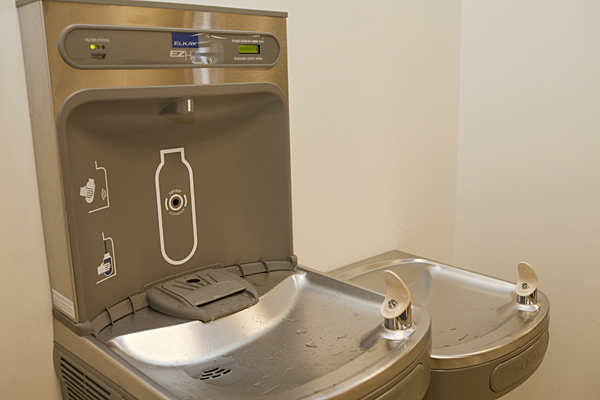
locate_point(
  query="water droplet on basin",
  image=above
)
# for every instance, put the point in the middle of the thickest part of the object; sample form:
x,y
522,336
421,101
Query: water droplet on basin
x,y
301,330
356,314
342,336
311,344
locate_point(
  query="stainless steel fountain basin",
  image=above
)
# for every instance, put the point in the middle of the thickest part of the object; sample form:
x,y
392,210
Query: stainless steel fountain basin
x,y
475,317
484,343
309,336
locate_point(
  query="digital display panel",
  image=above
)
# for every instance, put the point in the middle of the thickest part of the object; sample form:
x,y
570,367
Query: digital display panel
x,y
249,49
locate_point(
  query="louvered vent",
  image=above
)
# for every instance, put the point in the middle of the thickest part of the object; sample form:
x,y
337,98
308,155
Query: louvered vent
x,y
80,386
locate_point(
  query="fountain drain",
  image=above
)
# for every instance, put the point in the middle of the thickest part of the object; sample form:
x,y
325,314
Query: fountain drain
x,y
214,373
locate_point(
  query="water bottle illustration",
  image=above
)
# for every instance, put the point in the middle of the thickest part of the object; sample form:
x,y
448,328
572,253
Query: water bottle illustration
x,y
176,207
107,266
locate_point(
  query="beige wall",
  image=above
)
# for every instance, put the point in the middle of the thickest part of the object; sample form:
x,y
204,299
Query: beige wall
x,y
374,110
529,170
25,337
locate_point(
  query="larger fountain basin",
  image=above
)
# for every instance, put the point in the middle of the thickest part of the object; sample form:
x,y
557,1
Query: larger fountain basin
x,y
308,336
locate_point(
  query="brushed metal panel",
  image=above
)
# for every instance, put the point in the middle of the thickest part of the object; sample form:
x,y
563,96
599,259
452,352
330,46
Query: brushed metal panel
x,y
519,367
51,81
45,145
160,4
66,80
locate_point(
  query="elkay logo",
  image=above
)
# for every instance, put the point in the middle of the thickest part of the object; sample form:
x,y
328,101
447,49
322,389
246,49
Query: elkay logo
x,y
182,39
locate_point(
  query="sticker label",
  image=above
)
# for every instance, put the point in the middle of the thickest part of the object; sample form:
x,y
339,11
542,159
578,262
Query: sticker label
x,y
183,39
63,304
108,266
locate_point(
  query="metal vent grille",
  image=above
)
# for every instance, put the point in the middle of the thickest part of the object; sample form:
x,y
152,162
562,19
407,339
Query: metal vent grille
x,y
79,385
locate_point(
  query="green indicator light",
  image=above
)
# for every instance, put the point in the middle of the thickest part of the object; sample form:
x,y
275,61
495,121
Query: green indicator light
x,y
92,46
249,49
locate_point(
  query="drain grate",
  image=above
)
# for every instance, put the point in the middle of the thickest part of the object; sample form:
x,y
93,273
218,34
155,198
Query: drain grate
x,y
214,373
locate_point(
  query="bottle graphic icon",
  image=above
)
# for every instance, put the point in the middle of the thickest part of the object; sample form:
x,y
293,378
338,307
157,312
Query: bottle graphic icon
x,y
176,207
108,267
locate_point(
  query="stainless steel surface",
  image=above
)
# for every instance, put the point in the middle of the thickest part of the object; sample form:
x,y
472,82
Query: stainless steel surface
x,y
129,47
308,337
475,318
477,382
160,4
96,354
532,299
43,127
50,81
65,80
402,322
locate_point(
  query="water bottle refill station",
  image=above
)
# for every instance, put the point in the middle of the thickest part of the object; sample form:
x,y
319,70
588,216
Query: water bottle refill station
x,y
162,152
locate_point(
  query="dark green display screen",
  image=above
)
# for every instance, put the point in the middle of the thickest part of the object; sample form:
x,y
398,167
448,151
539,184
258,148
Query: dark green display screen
x,y
249,49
